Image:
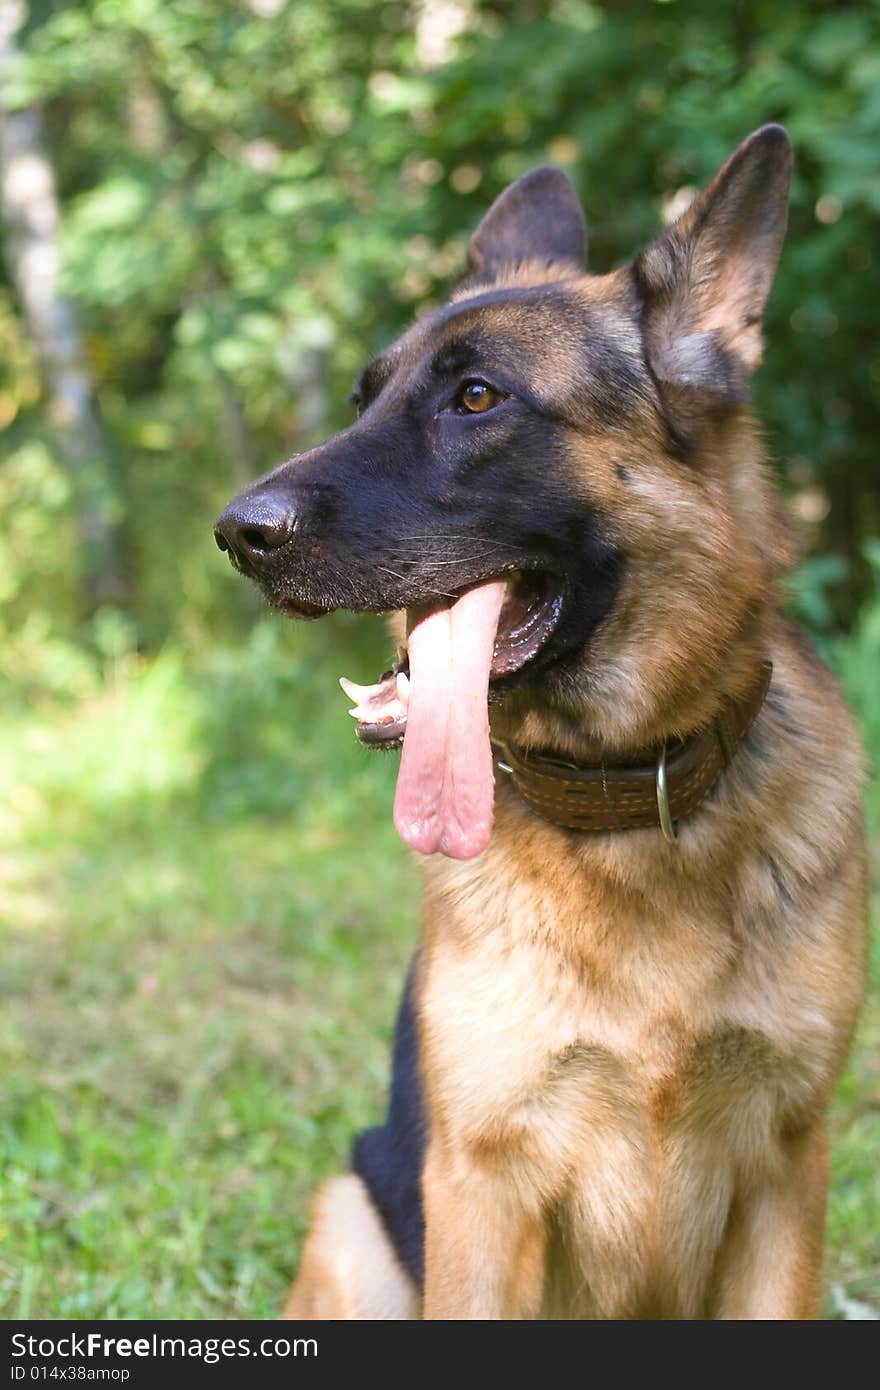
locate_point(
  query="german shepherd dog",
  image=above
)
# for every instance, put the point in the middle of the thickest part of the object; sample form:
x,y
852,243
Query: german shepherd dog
x,y
633,788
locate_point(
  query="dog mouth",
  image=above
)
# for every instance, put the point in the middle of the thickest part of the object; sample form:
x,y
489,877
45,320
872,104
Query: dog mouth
x,y
529,615
434,705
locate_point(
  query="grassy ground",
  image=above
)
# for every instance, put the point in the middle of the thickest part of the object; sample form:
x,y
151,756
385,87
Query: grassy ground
x,y
205,920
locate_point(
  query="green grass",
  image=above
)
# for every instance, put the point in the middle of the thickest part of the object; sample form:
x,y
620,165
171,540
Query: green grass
x,y
206,917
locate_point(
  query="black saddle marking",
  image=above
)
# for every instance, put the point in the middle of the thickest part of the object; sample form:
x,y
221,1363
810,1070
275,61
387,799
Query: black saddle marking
x,y
389,1158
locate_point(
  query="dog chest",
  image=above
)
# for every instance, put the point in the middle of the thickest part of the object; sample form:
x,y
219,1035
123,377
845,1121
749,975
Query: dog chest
x,y
547,1064
634,1130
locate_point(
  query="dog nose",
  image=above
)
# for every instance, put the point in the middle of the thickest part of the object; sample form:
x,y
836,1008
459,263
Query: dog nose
x,y
253,527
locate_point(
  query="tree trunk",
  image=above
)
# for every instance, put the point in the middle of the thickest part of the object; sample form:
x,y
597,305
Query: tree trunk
x,y
31,224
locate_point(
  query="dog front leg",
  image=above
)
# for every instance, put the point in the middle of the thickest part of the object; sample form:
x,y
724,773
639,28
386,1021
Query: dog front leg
x,y
771,1265
484,1250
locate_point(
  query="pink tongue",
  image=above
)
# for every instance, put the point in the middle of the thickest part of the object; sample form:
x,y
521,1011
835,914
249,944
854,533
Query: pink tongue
x,y
445,787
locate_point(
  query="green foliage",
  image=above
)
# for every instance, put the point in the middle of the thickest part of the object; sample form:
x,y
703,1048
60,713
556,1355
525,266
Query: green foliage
x,y
857,659
257,195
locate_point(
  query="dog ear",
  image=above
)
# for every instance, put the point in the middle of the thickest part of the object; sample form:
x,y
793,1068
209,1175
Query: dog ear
x,y
538,218
704,282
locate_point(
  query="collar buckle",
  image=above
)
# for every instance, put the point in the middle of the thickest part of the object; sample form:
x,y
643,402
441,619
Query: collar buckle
x,y
667,824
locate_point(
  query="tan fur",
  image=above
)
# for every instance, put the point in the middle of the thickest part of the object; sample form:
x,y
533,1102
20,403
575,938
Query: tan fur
x,y
348,1268
639,1041
629,1047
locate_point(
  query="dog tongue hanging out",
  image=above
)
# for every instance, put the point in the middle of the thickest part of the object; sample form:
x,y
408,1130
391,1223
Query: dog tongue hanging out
x,y
445,789
436,708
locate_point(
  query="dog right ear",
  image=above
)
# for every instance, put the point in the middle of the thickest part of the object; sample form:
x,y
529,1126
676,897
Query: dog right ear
x,y
538,218
704,282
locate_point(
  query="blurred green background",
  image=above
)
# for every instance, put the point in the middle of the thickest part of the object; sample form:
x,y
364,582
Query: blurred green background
x,y
205,912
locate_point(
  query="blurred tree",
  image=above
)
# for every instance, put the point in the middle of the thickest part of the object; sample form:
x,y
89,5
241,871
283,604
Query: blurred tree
x,y
259,193
31,227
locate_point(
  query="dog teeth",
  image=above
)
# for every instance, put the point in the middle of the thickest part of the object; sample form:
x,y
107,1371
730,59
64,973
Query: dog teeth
x,y
360,694
378,704
356,692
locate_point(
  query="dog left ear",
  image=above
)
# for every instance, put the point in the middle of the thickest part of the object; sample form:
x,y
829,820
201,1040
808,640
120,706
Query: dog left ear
x,y
538,218
705,281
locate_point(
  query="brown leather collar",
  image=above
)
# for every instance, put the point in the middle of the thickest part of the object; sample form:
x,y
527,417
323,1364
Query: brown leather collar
x,y
606,796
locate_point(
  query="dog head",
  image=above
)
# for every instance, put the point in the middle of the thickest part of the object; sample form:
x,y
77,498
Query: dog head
x,y
559,470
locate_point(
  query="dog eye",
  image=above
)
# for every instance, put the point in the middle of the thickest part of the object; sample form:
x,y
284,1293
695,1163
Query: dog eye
x,y
476,397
